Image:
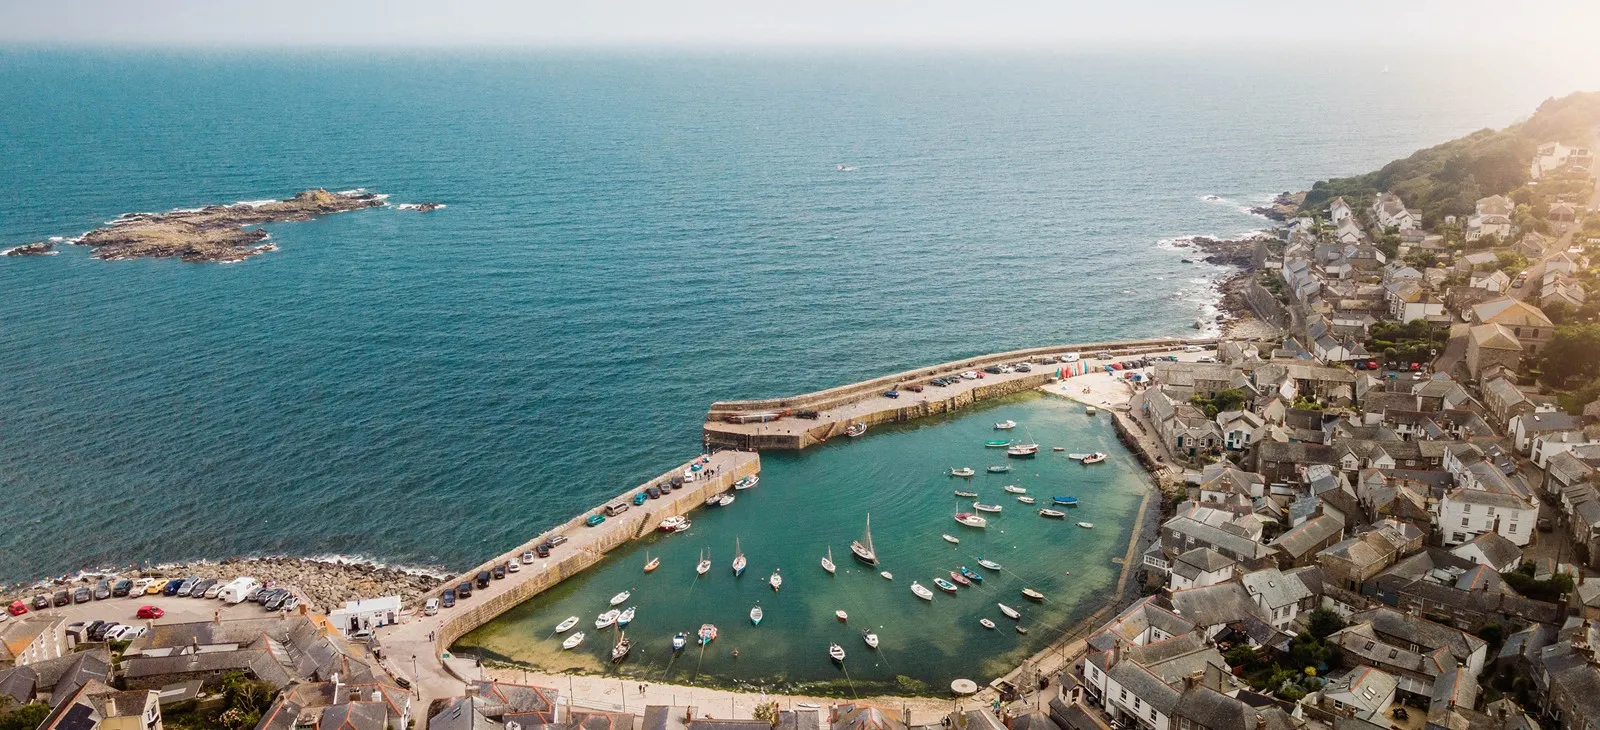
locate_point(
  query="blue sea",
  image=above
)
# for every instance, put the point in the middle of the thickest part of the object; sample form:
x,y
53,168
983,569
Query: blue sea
x,y
628,237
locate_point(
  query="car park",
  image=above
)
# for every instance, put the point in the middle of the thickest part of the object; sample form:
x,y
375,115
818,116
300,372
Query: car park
x,y
499,572
464,590
150,612
431,607
483,579
447,599
62,598
82,595
513,565
101,591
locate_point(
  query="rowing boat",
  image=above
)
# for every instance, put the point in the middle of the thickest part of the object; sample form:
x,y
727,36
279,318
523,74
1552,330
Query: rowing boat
x,y
953,540
1053,514
921,592
1010,612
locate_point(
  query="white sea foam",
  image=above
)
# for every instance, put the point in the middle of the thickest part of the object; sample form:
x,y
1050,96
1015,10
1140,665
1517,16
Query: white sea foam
x,y
253,203
356,191
414,206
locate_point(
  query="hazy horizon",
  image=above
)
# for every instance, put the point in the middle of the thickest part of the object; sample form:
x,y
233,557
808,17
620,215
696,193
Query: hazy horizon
x,y
1563,27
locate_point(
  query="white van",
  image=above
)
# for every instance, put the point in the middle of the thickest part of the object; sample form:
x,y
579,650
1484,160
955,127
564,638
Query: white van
x,y
237,589
1070,357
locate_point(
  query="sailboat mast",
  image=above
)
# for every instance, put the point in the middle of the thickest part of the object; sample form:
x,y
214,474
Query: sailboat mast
x,y
870,549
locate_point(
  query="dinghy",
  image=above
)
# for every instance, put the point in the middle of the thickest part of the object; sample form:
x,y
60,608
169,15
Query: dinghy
x,y
966,495
1094,458
567,625
1077,457
1053,514
1032,594
953,540
945,585
999,469
841,615
1086,525
1014,489
573,641
747,482
1058,448
708,634
1022,629
679,640
887,575
725,500
775,580
959,579
1009,612
855,429
1026,500
979,506
971,520
964,471
620,597
986,623
997,443
836,652
755,616
971,575
921,592
1066,501
990,564
625,618
870,638
1005,425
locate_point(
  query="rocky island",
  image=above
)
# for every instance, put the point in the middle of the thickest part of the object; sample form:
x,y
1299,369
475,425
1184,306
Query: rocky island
x,y
217,233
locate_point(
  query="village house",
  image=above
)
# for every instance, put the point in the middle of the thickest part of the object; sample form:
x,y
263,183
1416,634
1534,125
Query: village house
x,y
1297,547
1489,345
1282,597
1365,693
1200,567
1465,513
1527,323
1390,212
1552,156
1420,654
1494,281
1527,427
1491,549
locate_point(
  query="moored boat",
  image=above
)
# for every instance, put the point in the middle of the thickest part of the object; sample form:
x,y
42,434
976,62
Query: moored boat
x,y
683,526
841,615
952,539
739,561
1090,410
620,650
1014,489
836,652
679,640
1095,458
707,634
620,597
775,580
966,494
651,564
1021,451
986,623
990,564
855,429
705,564
714,500
607,619
972,575
886,575
1032,594
747,482
755,616
670,524
567,625
1058,448
997,443
1009,612
999,469
1065,501
626,617
945,585
1053,514
573,641
862,548
1076,457
921,591
981,507
1086,525
725,500
1022,629
962,471
1026,499
959,578
971,520
827,563
1006,425
870,638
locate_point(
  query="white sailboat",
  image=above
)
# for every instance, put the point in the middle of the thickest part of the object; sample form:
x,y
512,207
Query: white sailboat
x,y
827,563
738,559
705,564
863,549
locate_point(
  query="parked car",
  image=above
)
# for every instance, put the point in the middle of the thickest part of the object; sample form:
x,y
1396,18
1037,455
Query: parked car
x,y
639,498
289,602
62,598
483,579
891,394
556,540
275,594
1024,368
171,588
513,565
431,608
937,382
41,602
150,612
82,595
594,520
653,492
121,588
543,550
214,589
464,590
95,631
527,556
200,588
154,587
915,388
17,608
126,633
101,591
448,598
994,370
809,415
278,600
254,591
499,572
187,586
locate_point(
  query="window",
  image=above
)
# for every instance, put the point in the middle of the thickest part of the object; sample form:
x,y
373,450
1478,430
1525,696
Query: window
x,y
1512,528
1138,704
1465,522
1458,537
1466,509
1491,511
1124,694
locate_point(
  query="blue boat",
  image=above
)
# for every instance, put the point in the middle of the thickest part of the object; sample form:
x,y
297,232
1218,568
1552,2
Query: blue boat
x,y
1068,501
972,576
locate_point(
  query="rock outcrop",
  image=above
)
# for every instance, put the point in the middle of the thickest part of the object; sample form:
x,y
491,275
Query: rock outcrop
x,y
42,248
217,233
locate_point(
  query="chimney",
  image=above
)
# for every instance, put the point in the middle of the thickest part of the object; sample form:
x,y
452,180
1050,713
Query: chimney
x,y
1261,721
1190,680
336,687
1114,654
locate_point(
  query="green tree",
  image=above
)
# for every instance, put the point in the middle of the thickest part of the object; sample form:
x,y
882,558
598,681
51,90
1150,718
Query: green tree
x,y
1511,262
1495,634
1229,399
1572,355
24,717
1323,622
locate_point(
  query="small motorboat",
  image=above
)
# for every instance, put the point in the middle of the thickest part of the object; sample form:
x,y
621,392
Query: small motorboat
x,y
966,495
747,482
1009,612
626,617
1022,629
959,578
952,539
841,615
1000,469
827,563
683,526
1077,457
679,640
649,567
1014,489
775,580
855,429
607,619
755,616
1026,499
1022,451
1065,501
1005,425
971,575
573,641
990,564
708,634
964,471
714,500
981,507
971,520
1053,514
1032,594
870,638
887,575
996,443
621,597
945,585
670,524
921,591
986,623
836,652
1089,411
725,500
1058,448
1095,458
1086,525
621,649
567,625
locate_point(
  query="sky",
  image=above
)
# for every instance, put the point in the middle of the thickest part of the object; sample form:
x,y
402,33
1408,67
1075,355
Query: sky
x,y
1557,26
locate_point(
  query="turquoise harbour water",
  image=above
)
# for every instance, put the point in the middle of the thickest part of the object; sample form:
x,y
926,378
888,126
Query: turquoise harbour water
x,y
807,502
629,237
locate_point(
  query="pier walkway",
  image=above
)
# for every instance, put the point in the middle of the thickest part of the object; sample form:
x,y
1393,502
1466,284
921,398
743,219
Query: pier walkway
x,y
418,647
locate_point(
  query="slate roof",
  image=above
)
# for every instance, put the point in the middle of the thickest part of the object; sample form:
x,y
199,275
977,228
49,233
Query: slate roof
x,y
1214,605
1205,560
1495,548
1144,685
1495,337
1487,498
1550,422
1306,536
1276,588
1296,452
1508,311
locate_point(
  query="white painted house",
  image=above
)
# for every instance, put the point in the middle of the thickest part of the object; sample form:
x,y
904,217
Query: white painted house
x,y
1466,513
366,614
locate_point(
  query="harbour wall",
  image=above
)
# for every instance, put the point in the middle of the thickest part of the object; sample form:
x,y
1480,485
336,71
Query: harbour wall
x,y
622,529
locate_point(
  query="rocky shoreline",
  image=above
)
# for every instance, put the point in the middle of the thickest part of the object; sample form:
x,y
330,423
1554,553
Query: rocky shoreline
x,y
42,248
1283,207
215,233
325,583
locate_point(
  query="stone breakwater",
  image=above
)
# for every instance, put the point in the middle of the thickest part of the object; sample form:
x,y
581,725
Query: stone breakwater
x,y
326,584
216,233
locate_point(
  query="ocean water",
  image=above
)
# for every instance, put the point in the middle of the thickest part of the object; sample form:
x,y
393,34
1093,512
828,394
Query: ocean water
x,y
809,502
629,237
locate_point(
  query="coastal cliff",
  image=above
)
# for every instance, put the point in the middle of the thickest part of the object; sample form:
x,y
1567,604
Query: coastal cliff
x,y
215,233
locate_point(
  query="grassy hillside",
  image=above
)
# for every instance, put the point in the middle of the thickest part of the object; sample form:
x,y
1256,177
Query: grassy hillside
x,y
1449,178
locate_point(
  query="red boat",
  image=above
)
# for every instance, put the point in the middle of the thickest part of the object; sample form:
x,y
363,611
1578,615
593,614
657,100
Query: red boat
x,y
959,578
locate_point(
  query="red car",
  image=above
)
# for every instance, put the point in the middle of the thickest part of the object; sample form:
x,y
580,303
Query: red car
x,y
150,612
17,608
